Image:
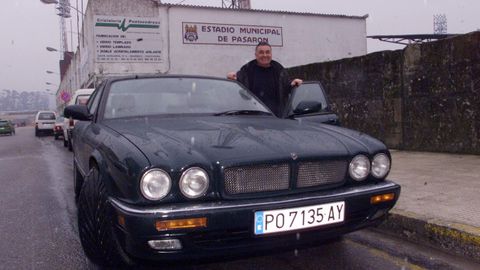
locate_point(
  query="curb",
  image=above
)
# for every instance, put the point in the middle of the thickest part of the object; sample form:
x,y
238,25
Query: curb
x,y
455,238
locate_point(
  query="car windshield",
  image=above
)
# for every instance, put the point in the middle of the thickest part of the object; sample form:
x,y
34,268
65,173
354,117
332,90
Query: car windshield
x,y
82,99
157,96
3,123
46,116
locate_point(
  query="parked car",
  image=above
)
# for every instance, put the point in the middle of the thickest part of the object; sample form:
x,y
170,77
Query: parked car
x,y
58,127
44,122
7,127
79,97
181,167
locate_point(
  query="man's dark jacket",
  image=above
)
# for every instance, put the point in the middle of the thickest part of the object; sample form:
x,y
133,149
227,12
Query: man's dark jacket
x,y
245,75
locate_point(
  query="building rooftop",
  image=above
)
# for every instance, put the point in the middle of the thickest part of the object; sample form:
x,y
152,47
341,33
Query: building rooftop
x,y
264,11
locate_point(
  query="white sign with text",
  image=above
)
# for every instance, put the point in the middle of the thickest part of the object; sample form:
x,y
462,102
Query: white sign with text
x,y
231,34
127,39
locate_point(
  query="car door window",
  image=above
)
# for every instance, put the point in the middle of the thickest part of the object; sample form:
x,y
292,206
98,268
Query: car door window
x,y
93,102
309,92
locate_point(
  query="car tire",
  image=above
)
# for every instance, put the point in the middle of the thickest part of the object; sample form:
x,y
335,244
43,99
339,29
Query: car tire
x,y
56,136
77,181
95,225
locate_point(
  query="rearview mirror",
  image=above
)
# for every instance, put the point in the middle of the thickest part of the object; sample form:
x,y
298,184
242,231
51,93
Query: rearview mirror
x,y
77,112
305,107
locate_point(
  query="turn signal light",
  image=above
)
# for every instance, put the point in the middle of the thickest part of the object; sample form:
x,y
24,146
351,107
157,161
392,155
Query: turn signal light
x,y
121,220
382,198
174,224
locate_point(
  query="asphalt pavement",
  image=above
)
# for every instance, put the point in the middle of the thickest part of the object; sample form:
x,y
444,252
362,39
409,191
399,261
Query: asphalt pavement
x,y
439,202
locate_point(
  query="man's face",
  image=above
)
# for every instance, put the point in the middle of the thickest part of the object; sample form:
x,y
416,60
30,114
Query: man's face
x,y
263,54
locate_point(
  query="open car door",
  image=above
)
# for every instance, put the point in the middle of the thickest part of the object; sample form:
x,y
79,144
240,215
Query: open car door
x,y
309,102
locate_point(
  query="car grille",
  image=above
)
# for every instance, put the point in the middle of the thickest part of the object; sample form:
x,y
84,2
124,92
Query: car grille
x,y
312,174
264,178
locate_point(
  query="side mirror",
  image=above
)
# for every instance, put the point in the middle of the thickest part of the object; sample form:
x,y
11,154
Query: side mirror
x,y
306,107
308,98
77,112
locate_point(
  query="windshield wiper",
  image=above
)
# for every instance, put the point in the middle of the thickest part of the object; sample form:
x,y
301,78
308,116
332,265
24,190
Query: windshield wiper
x,y
243,112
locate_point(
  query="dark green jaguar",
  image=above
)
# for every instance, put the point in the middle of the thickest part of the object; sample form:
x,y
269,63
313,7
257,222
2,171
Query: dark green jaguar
x,y
176,168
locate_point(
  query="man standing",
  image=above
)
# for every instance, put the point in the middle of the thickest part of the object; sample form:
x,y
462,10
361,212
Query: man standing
x,y
266,78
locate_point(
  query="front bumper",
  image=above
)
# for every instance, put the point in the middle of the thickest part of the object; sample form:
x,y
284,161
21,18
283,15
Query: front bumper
x,y
230,230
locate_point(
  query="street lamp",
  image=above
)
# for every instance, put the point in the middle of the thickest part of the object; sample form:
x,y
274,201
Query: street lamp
x,y
62,6
49,83
50,49
51,72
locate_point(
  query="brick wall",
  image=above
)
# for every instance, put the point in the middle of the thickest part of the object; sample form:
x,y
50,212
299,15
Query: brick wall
x,y
425,97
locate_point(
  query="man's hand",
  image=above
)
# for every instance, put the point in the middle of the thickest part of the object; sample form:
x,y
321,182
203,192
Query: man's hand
x,y
232,76
296,82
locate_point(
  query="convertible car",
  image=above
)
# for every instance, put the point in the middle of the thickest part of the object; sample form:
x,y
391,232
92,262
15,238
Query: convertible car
x,y
178,168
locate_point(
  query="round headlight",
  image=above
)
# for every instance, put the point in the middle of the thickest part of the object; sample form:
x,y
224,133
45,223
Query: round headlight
x,y
380,165
194,182
155,184
359,168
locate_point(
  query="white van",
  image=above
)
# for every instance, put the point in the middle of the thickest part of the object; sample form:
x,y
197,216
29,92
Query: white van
x,y
44,122
80,96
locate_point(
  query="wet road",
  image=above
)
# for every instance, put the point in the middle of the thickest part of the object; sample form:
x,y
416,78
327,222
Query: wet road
x,y
39,231
38,224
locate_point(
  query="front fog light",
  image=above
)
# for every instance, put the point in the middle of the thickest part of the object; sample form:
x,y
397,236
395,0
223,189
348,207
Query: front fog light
x,y
380,165
167,244
194,183
359,168
155,184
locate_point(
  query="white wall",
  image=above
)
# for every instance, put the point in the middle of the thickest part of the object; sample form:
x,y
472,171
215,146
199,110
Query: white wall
x,y
305,38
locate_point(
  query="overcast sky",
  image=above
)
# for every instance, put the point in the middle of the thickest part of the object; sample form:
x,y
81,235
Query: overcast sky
x,y
27,27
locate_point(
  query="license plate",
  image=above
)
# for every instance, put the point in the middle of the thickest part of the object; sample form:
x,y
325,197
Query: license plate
x,y
292,219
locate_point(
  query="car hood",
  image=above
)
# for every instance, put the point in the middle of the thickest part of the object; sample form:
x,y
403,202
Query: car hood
x,y
177,142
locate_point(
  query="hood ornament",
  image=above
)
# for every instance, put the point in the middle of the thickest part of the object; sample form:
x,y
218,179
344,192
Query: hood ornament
x,y
294,156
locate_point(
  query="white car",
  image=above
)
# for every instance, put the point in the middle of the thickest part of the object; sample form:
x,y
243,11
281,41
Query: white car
x,y
44,122
80,96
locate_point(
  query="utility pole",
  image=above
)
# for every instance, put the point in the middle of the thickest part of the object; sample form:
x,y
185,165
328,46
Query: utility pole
x,y
63,8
